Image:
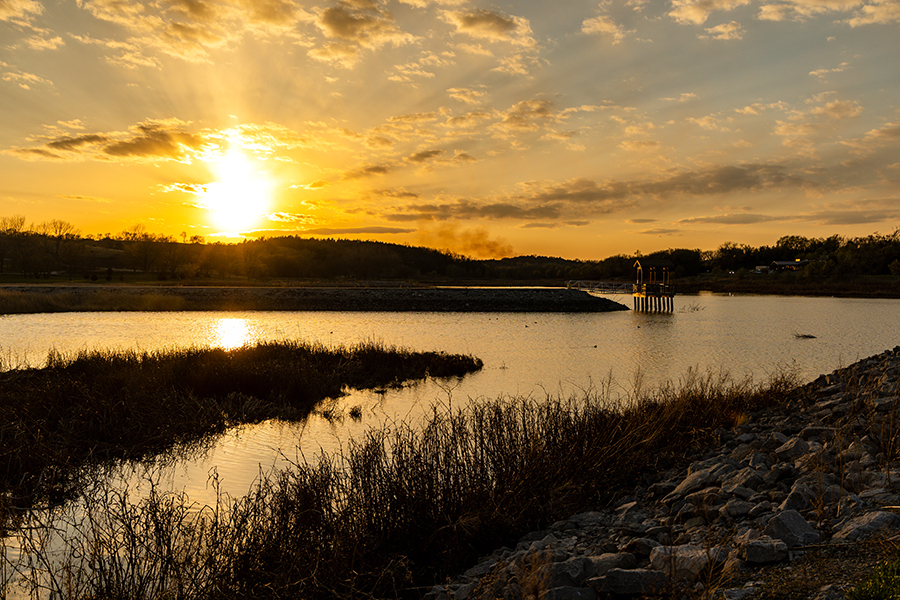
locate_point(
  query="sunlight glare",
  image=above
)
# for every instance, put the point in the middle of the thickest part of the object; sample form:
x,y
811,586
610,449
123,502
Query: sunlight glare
x,y
239,196
232,333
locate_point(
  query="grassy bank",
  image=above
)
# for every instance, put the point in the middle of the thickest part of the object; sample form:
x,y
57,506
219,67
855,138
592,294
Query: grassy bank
x,y
793,284
94,407
404,508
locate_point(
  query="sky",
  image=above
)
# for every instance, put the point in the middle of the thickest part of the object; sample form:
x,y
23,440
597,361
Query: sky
x,y
576,129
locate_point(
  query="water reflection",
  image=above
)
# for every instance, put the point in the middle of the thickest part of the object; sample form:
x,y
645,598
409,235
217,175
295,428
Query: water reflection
x,y
232,333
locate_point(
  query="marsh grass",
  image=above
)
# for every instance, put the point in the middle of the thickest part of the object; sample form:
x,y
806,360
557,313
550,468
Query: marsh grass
x,y
94,407
403,507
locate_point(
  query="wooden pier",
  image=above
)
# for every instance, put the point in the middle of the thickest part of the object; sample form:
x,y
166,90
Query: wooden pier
x,y
652,292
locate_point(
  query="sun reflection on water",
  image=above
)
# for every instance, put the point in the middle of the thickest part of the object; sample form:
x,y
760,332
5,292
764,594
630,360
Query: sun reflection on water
x,y
232,333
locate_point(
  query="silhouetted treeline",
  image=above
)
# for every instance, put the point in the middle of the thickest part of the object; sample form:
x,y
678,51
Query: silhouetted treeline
x,y
57,248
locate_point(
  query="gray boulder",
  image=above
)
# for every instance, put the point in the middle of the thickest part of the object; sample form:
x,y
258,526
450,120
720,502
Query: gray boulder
x,y
686,562
764,550
790,527
569,593
631,582
865,525
598,566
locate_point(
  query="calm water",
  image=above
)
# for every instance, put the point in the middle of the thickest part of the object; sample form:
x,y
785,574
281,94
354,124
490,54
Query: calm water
x,y
530,354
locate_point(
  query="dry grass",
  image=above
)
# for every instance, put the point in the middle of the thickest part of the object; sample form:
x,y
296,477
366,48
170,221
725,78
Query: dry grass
x,y
96,407
404,508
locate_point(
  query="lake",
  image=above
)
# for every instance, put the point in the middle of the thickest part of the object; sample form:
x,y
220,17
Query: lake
x,y
524,354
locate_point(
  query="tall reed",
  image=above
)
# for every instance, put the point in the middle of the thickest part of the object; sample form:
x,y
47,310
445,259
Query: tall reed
x,y
99,406
407,505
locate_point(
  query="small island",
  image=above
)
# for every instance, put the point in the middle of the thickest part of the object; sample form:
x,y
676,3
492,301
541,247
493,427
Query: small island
x,y
27,299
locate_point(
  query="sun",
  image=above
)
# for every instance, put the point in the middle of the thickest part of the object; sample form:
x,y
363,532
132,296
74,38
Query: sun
x,y
241,194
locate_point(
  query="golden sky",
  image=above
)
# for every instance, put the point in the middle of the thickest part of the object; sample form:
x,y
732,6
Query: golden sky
x,y
576,129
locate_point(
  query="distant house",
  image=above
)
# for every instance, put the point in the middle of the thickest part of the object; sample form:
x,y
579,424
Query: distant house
x,y
789,265
761,269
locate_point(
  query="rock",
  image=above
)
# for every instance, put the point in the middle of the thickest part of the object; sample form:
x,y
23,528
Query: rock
x,y
481,569
686,562
830,592
569,593
600,565
632,582
764,550
700,479
747,477
865,525
738,508
799,498
790,527
738,491
566,573
640,547
791,450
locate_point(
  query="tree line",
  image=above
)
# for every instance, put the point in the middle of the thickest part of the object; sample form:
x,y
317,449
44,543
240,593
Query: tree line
x,y
57,249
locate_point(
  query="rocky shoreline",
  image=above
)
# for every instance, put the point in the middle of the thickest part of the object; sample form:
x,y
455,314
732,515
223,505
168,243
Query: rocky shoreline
x,y
819,476
381,299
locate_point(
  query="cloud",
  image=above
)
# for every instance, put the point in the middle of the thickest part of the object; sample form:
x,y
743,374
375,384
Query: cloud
x,y
286,217
189,29
44,41
887,135
695,12
86,199
839,109
730,219
24,80
525,116
492,26
821,73
364,171
20,11
858,212
73,124
605,26
467,95
422,68
466,209
424,156
469,119
355,230
864,12
877,12
639,145
684,97
156,139
414,118
660,231
889,132
583,197
708,122
725,31
73,144
151,140
342,55
363,23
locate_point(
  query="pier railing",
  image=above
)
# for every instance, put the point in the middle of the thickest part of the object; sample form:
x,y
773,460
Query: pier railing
x,y
653,289
600,287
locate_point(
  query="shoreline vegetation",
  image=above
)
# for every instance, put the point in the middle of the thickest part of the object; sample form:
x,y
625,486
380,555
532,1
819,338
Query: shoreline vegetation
x,y
405,507
78,298
394,296
96,408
